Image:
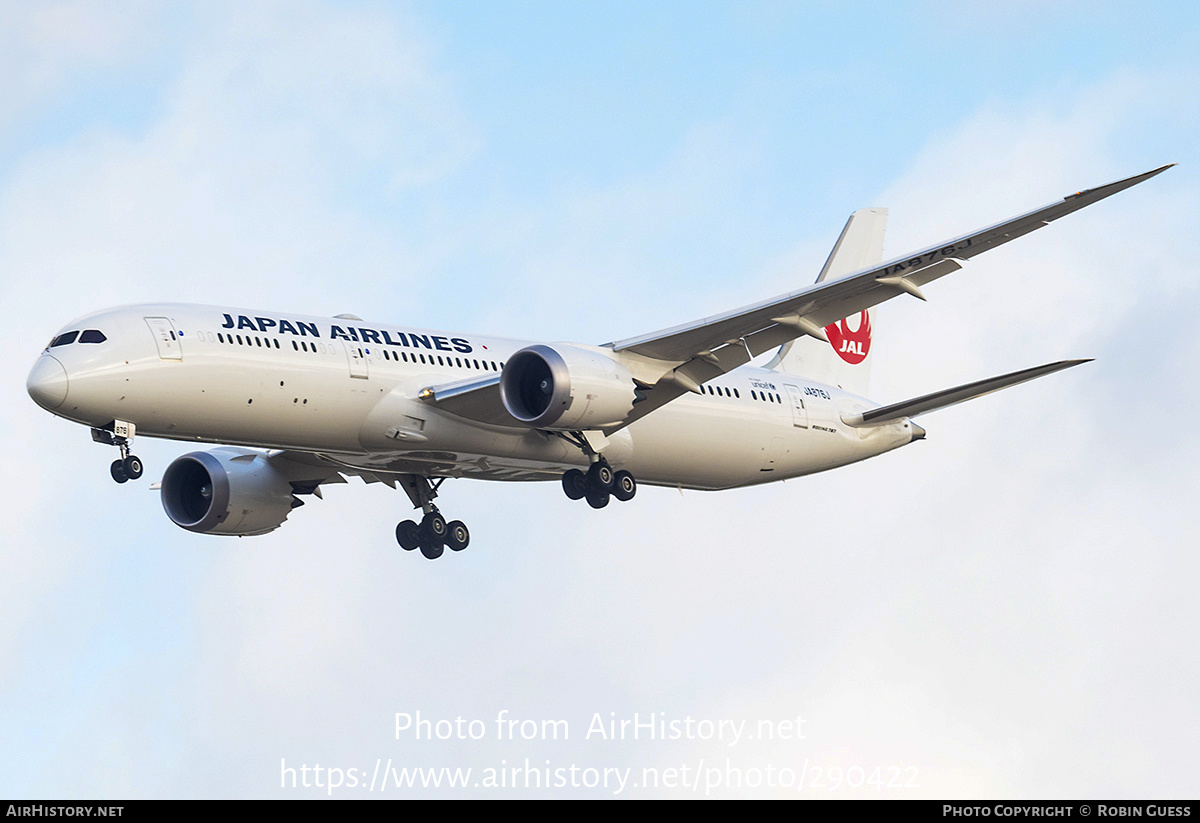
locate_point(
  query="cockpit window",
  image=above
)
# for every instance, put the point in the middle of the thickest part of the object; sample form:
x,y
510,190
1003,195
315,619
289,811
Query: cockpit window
x,y
92,336
64,339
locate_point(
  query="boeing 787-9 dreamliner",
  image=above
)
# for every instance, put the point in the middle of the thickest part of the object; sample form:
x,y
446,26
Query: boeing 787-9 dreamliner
x,y
297,402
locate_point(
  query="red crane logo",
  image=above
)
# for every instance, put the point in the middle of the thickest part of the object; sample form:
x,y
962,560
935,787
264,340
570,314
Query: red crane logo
x,y
851,346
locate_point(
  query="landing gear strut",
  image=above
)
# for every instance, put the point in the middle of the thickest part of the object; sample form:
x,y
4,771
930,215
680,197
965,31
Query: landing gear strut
x,y
433,534
600,483
129,466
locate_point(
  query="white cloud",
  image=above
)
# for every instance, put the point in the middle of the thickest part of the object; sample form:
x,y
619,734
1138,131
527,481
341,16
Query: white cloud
x,y
44,47
246,187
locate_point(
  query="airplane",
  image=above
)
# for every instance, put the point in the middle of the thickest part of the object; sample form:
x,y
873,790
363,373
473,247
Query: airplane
x,y
299,402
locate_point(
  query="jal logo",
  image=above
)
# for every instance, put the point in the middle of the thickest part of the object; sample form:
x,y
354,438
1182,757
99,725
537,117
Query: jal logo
x,y
852,345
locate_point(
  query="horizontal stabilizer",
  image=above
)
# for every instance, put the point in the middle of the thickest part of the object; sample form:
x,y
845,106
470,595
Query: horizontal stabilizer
x,y
950,397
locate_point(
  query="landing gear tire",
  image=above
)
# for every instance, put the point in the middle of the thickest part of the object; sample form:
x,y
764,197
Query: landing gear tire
x,y
624,486
600,477
433,525
433,535
457,536
597,499
117,470
574,483
408,535
132,466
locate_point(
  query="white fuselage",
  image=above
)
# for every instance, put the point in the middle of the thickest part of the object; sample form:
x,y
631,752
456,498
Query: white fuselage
x,y
349,389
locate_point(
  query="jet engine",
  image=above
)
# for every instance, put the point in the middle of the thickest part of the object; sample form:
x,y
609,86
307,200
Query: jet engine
x,y
227,491
566,387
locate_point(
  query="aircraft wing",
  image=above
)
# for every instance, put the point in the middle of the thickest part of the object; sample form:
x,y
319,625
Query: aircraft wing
x,y
475,398
696,352
682,358
828,302
308,471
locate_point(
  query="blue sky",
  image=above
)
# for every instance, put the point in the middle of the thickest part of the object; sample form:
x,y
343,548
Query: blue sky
x,y
1004,608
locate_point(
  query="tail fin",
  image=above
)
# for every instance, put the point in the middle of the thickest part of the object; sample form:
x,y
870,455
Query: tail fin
x,y
844,361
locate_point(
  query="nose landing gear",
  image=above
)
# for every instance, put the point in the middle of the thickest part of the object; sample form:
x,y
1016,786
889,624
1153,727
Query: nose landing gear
x,y
129,466
433,534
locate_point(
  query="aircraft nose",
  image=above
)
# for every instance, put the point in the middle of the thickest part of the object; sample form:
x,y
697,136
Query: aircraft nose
x,y
47,383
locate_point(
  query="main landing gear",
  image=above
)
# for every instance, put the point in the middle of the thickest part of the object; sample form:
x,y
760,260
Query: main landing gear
x,y
433,534
129,466
599,483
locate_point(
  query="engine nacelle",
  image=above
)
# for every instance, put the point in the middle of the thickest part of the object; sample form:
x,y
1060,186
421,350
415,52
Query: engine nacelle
x,y
566,387
226,491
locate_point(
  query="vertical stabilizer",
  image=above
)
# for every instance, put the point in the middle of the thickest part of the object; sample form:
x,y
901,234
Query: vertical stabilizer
x,y
845,360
